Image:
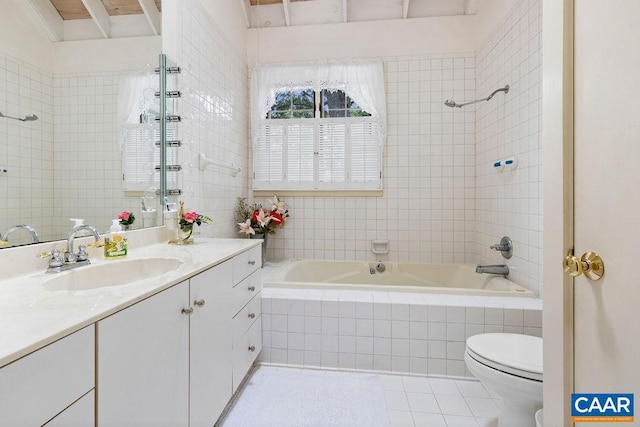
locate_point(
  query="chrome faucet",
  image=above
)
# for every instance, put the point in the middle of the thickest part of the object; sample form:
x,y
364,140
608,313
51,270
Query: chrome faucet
x,y
502,270
70,257
32,231
505,247
59,263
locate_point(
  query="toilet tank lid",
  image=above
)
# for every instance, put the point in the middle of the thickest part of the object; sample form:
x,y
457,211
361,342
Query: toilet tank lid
x,y
523,352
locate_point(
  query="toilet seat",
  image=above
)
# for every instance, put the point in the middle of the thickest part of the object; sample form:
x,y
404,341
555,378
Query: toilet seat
x,y
515,354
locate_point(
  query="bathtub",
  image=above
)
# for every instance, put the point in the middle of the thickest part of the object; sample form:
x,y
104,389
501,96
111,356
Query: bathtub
x,y
397,277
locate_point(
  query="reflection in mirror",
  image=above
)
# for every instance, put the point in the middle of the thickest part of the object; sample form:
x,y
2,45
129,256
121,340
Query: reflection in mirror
x,y
69,163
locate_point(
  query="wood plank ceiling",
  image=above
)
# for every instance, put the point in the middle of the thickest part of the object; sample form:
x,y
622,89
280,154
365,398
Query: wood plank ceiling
x,y
277,13
75,9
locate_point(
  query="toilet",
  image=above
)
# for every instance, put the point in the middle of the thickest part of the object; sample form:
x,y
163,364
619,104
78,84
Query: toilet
x,y
511,366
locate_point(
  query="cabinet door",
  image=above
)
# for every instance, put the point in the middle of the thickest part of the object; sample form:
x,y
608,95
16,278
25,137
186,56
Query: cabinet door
x,y
40,385
143,372
210,351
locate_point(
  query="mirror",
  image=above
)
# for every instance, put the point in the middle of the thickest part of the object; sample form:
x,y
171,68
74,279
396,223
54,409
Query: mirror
x,y
68,163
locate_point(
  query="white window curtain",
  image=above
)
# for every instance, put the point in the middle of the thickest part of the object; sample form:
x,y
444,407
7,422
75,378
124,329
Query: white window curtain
x,y
350,149
137,129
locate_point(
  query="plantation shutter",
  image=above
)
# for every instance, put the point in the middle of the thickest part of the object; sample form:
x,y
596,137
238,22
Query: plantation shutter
x,y
268,158
332,152
300,142
365,153
137,157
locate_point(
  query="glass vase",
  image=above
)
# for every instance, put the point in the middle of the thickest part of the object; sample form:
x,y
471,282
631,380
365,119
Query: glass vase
x,y
184,236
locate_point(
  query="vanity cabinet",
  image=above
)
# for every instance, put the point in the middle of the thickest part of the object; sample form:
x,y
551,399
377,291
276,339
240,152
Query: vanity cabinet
x,y
247,313
210,352
47,384
170,360
143,362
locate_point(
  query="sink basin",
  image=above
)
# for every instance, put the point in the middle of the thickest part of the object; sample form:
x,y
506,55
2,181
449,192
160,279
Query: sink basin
x,y
113,273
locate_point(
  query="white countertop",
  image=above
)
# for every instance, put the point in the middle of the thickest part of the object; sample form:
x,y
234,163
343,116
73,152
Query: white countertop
x,y
32,316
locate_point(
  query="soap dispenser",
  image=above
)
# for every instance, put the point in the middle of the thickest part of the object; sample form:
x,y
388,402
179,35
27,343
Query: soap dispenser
x,y
115,244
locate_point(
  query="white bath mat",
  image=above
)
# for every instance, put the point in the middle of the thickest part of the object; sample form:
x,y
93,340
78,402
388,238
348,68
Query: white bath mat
x,y
282,397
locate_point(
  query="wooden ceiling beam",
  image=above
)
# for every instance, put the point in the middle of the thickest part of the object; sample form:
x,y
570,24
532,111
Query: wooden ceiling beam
x,y
345,11
287,16
471,7
246,8
99,15
153,16
53,23
405,9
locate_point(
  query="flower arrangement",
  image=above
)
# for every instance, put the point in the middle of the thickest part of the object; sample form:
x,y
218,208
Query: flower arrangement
x,y
255,219
126,219
186,220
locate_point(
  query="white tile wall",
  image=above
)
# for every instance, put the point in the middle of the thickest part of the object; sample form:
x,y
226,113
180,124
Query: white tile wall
x,y
510,202
443,202
407,333
216,118
26,148
67,164
87,160
427,210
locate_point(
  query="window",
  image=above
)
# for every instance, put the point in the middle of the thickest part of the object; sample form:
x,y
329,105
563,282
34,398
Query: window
x,y
139,133
318,136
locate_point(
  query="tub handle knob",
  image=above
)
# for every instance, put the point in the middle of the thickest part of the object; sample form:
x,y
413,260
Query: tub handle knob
x,y
251,288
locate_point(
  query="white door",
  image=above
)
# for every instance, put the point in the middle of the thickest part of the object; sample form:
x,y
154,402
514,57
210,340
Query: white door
x,y
607,195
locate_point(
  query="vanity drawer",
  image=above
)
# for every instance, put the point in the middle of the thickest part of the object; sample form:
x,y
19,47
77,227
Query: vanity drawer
x,y
40,385
246,263
246,352
245,318
245,290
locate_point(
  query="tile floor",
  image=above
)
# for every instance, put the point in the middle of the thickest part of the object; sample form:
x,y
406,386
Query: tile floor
x,y
435,402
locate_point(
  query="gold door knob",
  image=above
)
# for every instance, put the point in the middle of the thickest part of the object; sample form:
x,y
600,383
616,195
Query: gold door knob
x,y
251,288
590,264
199,303
252,262
252,348
187,311
252,315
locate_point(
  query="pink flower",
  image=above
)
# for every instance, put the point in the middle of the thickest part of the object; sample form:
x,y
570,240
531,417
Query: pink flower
x,y
190,216
124,216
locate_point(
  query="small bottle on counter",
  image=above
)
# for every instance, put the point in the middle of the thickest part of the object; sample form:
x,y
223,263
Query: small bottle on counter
x,y
115,243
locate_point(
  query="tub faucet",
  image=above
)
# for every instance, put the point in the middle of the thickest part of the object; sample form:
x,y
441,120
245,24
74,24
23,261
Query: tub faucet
x,y
502,270
32,231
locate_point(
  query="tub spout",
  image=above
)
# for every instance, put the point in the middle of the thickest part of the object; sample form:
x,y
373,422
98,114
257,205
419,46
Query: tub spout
x,y
502,270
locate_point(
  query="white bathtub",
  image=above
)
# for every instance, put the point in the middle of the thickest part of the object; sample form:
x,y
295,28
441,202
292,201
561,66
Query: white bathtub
x,y
398,277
